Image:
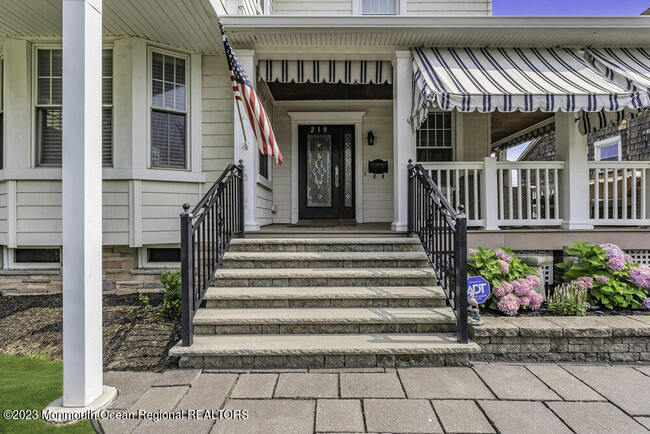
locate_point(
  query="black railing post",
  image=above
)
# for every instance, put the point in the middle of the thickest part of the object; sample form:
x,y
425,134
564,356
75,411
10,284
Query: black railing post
x,y
240,193
460,264
411,199
187,287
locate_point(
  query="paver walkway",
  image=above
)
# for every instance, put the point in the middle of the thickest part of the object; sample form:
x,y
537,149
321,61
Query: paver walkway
x,y
487,398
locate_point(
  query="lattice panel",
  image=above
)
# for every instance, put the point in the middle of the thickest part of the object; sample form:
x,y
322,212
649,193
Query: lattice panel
x,y
640,256
547,274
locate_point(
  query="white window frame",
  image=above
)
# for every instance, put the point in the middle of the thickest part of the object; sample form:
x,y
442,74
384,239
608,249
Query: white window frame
x,y
616,140
143,255
9,260
400,8
453,147
187,112
109,106
35,106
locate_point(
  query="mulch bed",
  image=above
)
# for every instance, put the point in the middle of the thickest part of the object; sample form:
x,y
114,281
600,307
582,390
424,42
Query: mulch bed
x,y
135,338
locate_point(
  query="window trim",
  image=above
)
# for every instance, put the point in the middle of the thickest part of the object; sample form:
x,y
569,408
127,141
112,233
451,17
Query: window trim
x,y
9,260
400,9
616,140
188,86
454,143
35,146
143,257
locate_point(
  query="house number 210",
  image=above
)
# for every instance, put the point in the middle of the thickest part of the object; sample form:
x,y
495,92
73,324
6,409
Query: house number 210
x,y
318,129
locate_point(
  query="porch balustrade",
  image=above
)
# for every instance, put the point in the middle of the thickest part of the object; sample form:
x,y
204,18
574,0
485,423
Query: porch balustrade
x,y
526,193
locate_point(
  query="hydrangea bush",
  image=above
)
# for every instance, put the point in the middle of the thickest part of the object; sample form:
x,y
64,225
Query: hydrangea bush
x,y
612,277
512,281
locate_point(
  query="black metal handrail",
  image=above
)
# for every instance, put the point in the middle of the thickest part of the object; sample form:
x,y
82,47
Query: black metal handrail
x,y
443,233
205,235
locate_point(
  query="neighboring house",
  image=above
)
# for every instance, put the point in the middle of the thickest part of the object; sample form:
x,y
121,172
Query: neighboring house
x,y
329,73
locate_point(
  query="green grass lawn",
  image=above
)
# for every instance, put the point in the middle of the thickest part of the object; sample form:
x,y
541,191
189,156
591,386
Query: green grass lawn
x,y
28,383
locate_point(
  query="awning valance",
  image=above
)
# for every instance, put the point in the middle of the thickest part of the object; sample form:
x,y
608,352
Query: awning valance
x,y
510,79
326,71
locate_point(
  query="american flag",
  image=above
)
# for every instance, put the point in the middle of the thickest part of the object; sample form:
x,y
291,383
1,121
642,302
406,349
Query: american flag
x,y
257,116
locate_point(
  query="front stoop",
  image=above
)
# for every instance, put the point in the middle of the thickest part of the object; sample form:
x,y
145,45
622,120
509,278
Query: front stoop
x,y
331,302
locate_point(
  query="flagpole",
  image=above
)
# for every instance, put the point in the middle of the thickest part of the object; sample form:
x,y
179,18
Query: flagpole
x,y
241,120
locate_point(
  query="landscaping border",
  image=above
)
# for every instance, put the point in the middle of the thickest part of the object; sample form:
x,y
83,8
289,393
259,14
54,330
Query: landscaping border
x,y
555,338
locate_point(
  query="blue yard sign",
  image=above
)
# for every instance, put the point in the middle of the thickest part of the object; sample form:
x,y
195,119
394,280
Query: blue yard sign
x,y
479,287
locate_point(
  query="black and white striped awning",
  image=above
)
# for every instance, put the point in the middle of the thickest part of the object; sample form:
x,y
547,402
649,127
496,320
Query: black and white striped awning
x,y
510,79
326,71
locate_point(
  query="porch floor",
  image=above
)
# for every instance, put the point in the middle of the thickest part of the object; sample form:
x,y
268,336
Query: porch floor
x,y
326,228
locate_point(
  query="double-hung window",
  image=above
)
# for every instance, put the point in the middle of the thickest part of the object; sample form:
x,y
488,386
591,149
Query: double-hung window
x,y
379,7
434,139
49,111
168,111
608,149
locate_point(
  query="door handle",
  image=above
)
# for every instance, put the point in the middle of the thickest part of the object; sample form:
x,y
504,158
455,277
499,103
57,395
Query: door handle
x,y
336,176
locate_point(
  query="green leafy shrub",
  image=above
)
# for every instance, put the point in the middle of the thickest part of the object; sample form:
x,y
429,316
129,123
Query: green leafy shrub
x,y
512,281
569,299
171,305
145,300
610,276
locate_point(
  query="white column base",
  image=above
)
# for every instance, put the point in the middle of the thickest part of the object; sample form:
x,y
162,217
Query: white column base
x,y
399,226
57,413
575,225
251,227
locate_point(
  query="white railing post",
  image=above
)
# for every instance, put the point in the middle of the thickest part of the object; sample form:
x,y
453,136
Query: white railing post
x,y
489,198
574,179
645,199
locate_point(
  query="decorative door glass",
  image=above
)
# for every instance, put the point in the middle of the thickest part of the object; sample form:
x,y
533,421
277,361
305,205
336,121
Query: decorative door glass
x,y
319,170
347,169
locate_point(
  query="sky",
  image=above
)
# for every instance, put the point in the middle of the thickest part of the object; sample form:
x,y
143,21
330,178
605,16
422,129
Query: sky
x,y
569,7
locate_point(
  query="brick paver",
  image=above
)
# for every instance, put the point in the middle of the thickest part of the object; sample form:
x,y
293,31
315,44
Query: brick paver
x,y
488,398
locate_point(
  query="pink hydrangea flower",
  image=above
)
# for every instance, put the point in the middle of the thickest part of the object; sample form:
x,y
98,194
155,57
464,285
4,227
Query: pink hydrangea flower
x,y
646,303
524,301
521,287
602,279
506,288
505,267
612,250
509,304
503,255
616,263
640,276
534,280
536,300
585,282
472,251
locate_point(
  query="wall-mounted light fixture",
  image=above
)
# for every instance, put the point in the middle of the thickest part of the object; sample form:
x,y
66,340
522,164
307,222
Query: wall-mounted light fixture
x,y
371,138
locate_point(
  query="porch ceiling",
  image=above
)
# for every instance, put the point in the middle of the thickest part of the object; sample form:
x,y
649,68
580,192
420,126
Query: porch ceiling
x,y
415,31
507,124
187,24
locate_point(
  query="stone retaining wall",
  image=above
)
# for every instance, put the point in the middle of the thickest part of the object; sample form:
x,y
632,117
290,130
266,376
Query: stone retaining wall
x,y
580,339
119,269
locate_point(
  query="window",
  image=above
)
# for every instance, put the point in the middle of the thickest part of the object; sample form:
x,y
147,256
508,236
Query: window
x,y
163,254
434,139
608,149
2,89
168,111
37,256
49,96
383,7
264,165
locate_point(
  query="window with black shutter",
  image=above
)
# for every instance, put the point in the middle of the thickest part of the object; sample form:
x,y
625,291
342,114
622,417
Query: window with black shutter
x,y
168,111
49,111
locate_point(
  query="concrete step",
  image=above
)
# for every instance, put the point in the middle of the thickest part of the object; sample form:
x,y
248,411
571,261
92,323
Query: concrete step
x,y
323,320
316,296
347,244
325,260
325,277
323,351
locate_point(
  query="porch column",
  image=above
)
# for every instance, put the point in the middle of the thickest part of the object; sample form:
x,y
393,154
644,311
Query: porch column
x,y
574,179
82,202
247,150
403,137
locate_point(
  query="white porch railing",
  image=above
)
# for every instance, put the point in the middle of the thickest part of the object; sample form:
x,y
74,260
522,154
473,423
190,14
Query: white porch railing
x,y
619,192
528,192
460,184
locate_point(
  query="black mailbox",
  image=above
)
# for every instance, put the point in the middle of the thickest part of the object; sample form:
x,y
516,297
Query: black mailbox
x,y
378,167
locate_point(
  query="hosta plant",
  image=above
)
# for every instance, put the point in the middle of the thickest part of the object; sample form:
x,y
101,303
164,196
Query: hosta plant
x,y
611,277
570,299
512,281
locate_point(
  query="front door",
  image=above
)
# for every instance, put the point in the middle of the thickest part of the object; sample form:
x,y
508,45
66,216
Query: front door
x,y
326,171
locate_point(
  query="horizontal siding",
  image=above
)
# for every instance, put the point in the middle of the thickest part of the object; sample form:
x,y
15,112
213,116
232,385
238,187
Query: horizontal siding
x,y
218,116
439,7
4,226
38,213
312,7
162,204
115,212
264,204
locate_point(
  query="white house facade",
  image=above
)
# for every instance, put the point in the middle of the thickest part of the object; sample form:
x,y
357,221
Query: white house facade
x,y
169,127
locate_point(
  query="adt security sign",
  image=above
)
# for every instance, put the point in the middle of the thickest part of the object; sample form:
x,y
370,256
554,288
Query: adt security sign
x,y
479,287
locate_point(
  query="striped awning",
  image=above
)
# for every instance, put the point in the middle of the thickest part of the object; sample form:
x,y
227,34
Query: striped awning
x,y
510,79
627,67
326,71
